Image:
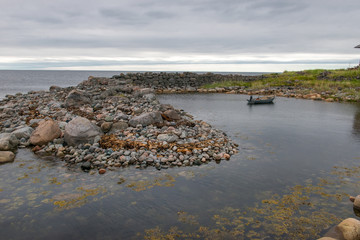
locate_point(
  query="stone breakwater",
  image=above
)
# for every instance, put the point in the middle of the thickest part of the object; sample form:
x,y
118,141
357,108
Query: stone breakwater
x,y
107,123
186,81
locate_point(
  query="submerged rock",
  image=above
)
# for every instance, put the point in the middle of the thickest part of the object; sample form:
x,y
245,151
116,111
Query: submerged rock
x,y
86,166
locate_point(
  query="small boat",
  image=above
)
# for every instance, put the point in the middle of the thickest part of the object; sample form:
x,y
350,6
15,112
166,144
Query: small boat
x,y
262,100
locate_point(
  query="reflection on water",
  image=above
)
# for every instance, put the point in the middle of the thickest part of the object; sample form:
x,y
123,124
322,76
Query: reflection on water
x,y
356,124
282,184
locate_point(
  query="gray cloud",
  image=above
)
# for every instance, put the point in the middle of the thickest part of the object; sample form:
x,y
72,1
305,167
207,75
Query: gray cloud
x,y
200,27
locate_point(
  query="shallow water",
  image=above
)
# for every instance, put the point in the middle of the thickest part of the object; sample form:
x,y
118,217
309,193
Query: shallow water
x,y
292,142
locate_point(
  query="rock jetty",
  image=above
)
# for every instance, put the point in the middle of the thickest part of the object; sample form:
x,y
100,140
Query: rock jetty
x,y
106,123
188,82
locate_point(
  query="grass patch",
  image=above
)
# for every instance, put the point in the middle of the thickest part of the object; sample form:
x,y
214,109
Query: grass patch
x,y
318,79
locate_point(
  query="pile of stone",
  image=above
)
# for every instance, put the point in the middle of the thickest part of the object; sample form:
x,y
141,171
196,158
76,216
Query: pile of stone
x,y
106,123
185,80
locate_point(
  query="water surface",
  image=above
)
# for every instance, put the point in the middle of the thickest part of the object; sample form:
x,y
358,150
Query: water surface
x,y
292,142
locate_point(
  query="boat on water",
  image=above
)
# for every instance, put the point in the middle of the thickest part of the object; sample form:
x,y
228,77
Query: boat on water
x,y
261,100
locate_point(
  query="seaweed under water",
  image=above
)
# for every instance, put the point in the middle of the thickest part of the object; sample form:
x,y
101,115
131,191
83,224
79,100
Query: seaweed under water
x,y
304,212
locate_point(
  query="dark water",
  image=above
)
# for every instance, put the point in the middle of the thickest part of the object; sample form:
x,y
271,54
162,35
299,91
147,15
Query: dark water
x,y
292,142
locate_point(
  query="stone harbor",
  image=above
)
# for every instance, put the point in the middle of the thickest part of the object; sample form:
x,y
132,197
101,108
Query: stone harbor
x,y
106,123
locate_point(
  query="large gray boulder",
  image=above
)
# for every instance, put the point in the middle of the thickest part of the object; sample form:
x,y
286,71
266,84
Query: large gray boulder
x,y
6,156
24,132
80,130
8,142
47,131
77,98
167,138
146,119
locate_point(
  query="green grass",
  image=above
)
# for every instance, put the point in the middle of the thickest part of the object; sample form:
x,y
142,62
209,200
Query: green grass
x,y
318,79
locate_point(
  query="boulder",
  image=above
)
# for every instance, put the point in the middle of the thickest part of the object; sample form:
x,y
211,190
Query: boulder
x,y
47,131
165,107
349,229
167,138
6,156
77,98
118,126
24,132
106,126
79,131
143,91
172,115
150,96
8,142
54,88
86,166
146,119
357,202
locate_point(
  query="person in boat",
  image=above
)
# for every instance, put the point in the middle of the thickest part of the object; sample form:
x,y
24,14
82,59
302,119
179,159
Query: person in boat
x,y
251,98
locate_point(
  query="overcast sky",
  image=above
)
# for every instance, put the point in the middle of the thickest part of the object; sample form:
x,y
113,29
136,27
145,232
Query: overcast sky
x,y
179,35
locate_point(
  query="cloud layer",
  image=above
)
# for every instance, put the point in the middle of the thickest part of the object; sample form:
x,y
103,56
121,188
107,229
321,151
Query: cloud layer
x,y
71,34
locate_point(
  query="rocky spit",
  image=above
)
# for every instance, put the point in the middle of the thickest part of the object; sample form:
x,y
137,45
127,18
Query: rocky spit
x,y
285,91
104,124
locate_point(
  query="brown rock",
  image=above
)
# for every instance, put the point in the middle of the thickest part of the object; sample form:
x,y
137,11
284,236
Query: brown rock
x,y
172,115
47,131
349,229
102,170
6,156
106,126
357,202
36,148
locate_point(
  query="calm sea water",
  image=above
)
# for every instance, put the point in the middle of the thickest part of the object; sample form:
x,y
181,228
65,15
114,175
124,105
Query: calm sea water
x,y
23,81
289,143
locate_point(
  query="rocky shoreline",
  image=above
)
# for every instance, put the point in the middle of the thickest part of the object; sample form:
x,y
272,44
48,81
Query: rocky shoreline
x,y
187,82
285,91
107,123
